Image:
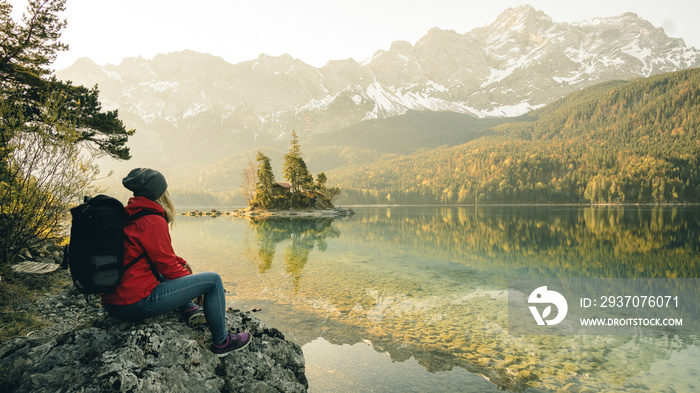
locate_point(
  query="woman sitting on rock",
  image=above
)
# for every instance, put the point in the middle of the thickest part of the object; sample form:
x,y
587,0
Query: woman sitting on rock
x,y
141,294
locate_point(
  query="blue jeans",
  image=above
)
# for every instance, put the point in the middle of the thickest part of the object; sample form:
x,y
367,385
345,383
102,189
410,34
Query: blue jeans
x,y
178,294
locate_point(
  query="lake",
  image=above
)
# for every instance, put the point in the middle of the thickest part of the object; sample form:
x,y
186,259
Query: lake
x,y
415,299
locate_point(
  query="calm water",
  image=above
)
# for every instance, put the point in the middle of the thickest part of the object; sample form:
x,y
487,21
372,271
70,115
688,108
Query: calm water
x,y
414,299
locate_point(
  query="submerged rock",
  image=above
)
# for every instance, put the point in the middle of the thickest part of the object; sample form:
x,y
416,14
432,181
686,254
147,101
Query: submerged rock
x,y
85,350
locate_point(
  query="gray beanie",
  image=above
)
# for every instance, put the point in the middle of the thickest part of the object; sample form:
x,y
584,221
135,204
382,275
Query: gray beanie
x,y
145,182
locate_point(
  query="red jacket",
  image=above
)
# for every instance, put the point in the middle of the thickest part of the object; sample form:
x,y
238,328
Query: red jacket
x,y
148,233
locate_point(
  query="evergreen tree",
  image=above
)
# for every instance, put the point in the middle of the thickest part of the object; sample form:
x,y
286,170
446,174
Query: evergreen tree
x,y
329,193
294,168
321,180
266,179
43,125
35,100
306,181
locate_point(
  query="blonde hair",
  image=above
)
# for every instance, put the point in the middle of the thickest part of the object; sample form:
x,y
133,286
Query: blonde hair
x,y
166,202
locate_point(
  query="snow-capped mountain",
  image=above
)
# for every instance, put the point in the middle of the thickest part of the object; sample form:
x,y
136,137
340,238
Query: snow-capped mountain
x,y
520,61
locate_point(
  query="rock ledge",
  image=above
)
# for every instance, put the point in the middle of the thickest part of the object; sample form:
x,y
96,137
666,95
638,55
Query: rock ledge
x,y
85,350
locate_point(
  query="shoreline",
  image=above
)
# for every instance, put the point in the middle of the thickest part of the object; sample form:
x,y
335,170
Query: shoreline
x,y
249,213
670,204
195,208
347,210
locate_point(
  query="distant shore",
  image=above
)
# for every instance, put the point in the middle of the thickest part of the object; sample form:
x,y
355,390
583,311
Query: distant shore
x,y
348,211
256,213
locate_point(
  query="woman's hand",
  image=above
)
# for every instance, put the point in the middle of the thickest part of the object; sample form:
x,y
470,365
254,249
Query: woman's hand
x,y
189,268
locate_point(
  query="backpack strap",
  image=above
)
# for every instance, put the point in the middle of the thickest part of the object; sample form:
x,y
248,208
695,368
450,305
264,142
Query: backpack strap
x,y
152,265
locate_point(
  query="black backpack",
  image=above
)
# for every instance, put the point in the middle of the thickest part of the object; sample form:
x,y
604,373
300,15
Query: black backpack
x,y
96,250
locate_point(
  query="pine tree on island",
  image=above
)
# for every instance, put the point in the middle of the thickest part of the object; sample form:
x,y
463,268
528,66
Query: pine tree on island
x,y
301,192
266,180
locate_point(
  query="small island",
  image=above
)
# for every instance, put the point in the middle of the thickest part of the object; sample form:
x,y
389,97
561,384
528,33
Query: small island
x,y
252,213
301,196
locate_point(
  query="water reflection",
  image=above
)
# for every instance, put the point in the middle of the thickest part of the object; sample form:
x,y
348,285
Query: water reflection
x,y
430,284
550,242
303,234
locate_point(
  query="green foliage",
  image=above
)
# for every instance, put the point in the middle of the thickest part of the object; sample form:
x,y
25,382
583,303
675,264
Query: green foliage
x,y
41,177
44,123
266,179
618,142
321,180
294,168
26,52
304,193
306,181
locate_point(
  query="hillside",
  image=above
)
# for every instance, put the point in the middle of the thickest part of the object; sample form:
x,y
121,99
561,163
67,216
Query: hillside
x,y
617,142
408,133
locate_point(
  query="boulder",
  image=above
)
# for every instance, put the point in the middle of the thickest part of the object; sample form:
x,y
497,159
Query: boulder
x,y
86,350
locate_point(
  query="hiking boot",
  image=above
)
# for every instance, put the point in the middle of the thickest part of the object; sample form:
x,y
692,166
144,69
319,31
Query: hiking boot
x,y
194,316
233,342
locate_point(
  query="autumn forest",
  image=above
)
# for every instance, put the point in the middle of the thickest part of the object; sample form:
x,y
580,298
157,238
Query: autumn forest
x,y
616,142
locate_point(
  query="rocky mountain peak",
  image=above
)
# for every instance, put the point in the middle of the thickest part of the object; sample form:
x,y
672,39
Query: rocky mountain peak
x,y
185,64
437,34
522,18
84,63
519,62
402,47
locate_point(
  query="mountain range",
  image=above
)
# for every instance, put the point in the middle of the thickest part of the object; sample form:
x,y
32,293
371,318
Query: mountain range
x,y
196,109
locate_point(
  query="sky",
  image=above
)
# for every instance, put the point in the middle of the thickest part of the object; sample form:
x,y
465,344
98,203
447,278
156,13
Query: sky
x,y
314,31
